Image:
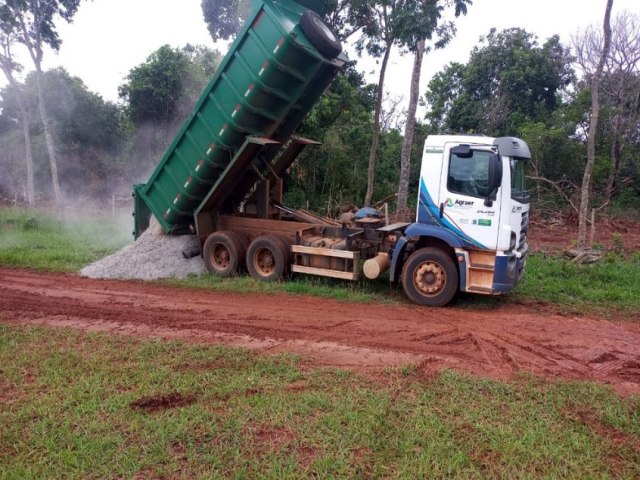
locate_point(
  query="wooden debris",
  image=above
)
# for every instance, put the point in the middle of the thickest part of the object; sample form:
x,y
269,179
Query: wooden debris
x,y
583,257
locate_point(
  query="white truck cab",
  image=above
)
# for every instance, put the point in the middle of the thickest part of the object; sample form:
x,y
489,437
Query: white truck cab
x,y
470,232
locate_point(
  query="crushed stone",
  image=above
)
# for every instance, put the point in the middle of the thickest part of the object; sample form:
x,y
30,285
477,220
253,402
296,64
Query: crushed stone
x,y
153,256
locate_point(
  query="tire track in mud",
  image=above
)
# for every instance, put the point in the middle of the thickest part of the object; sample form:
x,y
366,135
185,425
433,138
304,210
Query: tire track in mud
x,y
495,344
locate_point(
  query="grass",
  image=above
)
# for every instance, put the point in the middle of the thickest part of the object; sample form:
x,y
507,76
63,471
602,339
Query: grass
x,y
41,241
607,288
77,405
35,240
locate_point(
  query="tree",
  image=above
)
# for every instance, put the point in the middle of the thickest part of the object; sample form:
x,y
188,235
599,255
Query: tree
x,y
508,81
331,174
593,125
163,89
9,66
378,39
414,36
224,18
154,88
347,17
444,91
34,20
160,93
620,86
90,132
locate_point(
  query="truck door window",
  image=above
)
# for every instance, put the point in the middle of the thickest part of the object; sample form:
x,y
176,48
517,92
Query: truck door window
x,y
469,176
518,189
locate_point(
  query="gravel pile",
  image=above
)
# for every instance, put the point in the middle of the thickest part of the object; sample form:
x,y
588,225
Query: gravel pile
x,y
153,256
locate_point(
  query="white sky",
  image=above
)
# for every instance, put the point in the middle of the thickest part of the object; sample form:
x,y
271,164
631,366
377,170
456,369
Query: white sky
x,y
109,37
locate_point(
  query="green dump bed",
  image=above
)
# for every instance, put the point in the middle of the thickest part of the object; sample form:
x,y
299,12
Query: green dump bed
x,y
268,81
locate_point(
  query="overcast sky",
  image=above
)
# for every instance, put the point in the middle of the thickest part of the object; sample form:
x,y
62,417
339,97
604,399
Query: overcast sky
x,y
109,37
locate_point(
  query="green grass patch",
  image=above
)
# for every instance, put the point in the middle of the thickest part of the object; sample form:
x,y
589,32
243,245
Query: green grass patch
x,y
605,288
64,242
76,405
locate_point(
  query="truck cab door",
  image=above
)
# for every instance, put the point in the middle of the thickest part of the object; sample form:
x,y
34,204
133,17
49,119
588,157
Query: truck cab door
x,y
469,199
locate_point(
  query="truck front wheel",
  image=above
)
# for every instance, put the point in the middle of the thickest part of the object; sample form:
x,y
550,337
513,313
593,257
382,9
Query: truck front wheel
x,y
430,277
223,253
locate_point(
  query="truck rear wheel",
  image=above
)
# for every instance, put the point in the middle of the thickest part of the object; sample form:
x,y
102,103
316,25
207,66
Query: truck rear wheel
x,y
267,258
430,277
223,253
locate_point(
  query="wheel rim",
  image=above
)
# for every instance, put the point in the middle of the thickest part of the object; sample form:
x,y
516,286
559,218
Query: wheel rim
x,y
429,278
220,257
264,262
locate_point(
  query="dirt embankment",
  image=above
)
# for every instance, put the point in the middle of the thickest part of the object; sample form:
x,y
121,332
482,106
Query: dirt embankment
x,y
491,343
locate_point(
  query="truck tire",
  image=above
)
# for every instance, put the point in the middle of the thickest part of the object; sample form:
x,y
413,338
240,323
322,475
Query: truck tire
x,y
267,258
223,253
430,277
320,35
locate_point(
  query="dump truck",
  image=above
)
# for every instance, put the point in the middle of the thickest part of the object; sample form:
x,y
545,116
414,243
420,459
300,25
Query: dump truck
x,y
221,179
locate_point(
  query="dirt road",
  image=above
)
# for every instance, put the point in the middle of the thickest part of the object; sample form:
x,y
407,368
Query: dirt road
x,y
491,343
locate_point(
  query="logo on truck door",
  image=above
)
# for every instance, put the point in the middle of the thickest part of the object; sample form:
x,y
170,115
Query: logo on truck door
x,y
462,204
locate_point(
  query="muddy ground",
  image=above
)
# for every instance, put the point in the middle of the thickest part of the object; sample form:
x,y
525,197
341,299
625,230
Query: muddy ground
x,y
495,343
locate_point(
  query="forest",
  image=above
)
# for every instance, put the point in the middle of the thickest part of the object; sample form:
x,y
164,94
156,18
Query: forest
x,y
62,143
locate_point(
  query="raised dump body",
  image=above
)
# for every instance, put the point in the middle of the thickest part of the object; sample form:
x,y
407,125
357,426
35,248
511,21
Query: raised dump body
x,y
281,62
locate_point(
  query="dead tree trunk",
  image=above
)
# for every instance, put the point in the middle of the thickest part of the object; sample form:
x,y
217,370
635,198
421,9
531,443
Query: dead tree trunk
x,y
410,129
593,125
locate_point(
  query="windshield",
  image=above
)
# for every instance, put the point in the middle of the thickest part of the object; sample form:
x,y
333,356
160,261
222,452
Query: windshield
x,y
518,190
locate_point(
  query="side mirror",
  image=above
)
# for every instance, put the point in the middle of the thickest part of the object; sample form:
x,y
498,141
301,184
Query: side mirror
x,y
495,178
495,172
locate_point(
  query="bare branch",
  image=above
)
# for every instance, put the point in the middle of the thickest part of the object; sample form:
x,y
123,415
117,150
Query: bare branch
x,y
558,188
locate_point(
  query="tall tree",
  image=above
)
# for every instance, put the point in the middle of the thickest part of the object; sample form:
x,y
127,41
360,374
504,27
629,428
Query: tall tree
x,y
35,21
585,193
414,35
379,36
9,66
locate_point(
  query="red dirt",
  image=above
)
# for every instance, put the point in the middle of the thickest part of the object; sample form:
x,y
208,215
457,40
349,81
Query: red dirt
x,y
495,343
560,234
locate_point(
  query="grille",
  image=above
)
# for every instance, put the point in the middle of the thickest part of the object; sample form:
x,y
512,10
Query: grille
x,y
524,228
